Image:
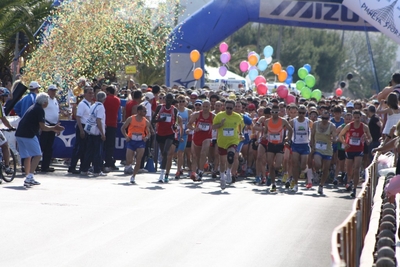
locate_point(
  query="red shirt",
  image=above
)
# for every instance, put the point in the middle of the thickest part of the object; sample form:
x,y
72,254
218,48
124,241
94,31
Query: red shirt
x,y
112,105
165,128
128,108
355,138
153,104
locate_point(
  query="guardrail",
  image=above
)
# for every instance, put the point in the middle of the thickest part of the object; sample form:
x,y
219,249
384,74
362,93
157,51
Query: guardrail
x,y
348,237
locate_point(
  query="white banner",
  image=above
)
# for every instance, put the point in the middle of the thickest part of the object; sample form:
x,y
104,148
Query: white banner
x,y
383,15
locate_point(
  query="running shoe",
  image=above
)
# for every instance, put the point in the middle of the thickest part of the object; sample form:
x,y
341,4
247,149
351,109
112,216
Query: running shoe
x,y
257,180
269,181
320,190
214,175
8,170
292,184
223,184
228,177
285,177
177,175
353,194
99,174
193,176
294,189
349,186
133,179
288,182
166,179
335,181
199,177
31,181
309,185
273,188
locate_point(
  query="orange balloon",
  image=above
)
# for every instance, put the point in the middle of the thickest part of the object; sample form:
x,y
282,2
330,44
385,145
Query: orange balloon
x,y
282,76
194,56
276,68
253,60
198,72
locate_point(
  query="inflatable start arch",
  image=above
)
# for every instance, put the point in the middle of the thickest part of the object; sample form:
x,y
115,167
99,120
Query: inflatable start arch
x,y
221,18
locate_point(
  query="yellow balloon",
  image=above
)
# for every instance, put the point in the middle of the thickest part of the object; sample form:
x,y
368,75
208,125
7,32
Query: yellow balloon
x,y
194,56
253,60
276,68
198,72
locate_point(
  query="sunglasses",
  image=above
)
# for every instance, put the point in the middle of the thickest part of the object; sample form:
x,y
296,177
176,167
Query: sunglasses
x,y
228,108
274,112
300,112
197,105
325,118
161,98
182,101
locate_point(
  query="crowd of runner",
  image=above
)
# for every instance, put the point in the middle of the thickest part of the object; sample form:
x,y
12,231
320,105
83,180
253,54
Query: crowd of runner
x,y
233,134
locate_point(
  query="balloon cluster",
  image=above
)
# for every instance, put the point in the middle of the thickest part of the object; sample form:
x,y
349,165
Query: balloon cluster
x,y
339,91
225,58
194,57
306,83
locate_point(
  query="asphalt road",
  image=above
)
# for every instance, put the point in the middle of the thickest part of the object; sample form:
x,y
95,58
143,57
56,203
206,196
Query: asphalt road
x,y
74,221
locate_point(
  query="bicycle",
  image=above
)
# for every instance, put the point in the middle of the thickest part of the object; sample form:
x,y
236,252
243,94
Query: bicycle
x,y
8,174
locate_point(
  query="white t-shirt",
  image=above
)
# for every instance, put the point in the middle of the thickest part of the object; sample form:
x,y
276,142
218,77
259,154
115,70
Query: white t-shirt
x,y
51,111
147,104
83,110
99,112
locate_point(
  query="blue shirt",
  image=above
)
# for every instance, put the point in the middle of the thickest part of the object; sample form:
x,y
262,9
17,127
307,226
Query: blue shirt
x,y
22,106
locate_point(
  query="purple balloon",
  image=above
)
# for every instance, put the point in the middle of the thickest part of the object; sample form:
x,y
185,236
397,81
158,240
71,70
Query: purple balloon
x,y
224,58
244,66
223,70
252,68
251,53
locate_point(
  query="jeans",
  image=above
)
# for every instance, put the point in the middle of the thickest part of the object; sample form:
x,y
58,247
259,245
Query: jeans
x,y
46,144
78,152
109,146
93,149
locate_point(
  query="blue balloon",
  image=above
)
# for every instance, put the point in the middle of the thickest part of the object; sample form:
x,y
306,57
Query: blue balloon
x,y
308,67
268,51
290,70
262,65
247,120
258,57
289,80
253,74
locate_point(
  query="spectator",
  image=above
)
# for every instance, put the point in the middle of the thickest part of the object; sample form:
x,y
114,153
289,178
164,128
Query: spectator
x,y
22,105
131,106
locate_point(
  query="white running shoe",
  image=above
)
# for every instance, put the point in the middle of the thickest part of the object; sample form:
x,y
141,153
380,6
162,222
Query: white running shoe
x,y
132,179
228,177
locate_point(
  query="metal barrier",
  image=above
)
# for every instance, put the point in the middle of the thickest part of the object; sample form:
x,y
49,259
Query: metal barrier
x,y
348,238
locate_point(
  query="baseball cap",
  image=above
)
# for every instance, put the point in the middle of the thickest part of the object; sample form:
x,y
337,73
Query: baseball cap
x,y
194,94
350,105
149,90
198,102
34,85
149,95
144,86
52,87
313,110
251,107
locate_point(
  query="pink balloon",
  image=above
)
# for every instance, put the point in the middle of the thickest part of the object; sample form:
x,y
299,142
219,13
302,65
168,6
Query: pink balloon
x,y
229,56
290,99
393,187
223,70
225,57
260,79
244,66
223,47
282,91
262,89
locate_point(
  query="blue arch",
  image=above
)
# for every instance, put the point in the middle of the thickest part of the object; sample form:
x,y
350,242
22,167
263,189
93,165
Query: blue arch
x,y
221,18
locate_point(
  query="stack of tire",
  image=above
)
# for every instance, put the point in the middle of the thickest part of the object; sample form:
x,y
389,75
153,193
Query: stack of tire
x,y
385,254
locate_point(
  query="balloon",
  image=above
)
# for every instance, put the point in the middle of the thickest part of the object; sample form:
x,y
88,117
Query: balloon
x,y
223,70
251,53
253,74
282,91
290,99
224,58
223,47
268,51
310,80
302,72
317,94
253,60
290,70
300,84
252,68
269,60
262,65
339,92
289,80
307,67
194,56
306,92
262,89
197,73
342,84
259,79
229,55
282,76
349,76
244,66
276,68
393,187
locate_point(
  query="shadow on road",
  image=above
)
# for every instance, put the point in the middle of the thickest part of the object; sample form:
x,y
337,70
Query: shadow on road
x,y
21,188
218,192
126,184
153,188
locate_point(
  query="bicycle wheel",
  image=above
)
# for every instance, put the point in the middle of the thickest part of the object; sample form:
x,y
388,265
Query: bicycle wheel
x,y
9,174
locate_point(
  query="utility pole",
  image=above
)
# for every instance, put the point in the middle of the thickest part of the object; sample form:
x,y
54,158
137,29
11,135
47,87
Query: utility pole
x,y
16,56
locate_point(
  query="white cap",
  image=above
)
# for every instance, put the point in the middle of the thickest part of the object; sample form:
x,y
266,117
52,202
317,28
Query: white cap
x,y
34,85
149,95
144,86
52,87
350,105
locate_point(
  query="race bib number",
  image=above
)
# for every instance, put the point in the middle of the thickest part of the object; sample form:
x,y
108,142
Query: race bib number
x,y
137,137
204,126
321,146
168,117
355,141
274,137
228,132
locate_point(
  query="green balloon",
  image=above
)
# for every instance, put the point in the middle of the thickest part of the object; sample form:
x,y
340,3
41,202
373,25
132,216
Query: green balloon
x,y
310,80
300,84
306,92
302,72
317,94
